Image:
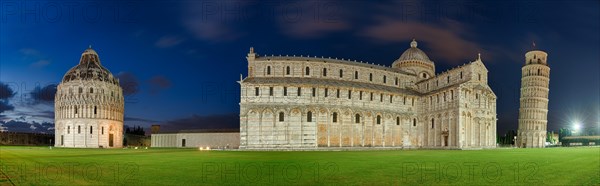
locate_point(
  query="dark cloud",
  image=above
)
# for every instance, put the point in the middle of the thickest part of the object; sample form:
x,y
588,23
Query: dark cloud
x,y
44,95
224,121
139,119
5,106
129,83
168,41
300,22
216,27
30,52
445,40
30,127
44,114
158,83
5,93
40,63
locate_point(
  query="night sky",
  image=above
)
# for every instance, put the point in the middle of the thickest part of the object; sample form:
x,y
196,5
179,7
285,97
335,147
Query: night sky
x,y
179,61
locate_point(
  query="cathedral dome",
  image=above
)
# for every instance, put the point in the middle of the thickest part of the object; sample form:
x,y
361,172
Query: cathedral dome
x,y
415,61
90,68
414,53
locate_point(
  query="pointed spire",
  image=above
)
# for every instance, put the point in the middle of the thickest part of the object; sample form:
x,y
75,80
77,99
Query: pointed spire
x,y
90,46
251,55
533,44
479,56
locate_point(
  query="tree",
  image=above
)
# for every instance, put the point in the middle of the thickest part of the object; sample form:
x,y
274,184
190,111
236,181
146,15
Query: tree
x,y
550,137
137,130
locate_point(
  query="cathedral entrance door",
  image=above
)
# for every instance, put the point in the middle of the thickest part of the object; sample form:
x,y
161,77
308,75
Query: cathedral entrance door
x,y
110,140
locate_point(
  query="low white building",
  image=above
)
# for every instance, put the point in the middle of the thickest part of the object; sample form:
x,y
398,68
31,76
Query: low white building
x,y
215,139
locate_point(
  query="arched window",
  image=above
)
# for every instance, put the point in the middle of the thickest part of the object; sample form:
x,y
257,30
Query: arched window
x,y
444,96
378,119
349,94
479,77
341,73
414,122
335,115
95,110
91,129
102,130
384,79
397,120
355,74
287,70
78,129
357,118
432,123
370,76
461,76
309,116
75,109
539,73
307,71
268,70
324,71
424,75
448,79
337,93
91,90
396,81
68,129
80,90
404,100
256,91
281,119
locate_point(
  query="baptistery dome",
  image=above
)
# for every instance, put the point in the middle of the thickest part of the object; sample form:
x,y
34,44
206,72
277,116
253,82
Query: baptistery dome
x,y
90,68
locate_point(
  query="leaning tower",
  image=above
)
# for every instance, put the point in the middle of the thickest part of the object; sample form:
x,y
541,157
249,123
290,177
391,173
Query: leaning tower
x,y
533,112
89,106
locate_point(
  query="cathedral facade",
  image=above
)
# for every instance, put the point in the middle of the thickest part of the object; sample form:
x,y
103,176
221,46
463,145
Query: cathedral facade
x,y
304,102
89,106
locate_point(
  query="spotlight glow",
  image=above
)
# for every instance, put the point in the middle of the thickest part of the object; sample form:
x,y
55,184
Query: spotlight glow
x,y
576,126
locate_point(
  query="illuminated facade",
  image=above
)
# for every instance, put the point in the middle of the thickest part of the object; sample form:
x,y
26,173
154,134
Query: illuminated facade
x,y
533,112
303,102
89,106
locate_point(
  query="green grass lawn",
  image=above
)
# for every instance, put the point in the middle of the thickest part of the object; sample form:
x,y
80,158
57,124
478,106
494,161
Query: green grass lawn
x,y
550,166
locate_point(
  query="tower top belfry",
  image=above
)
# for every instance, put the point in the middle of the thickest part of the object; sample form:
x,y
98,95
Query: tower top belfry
x,y
536,57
